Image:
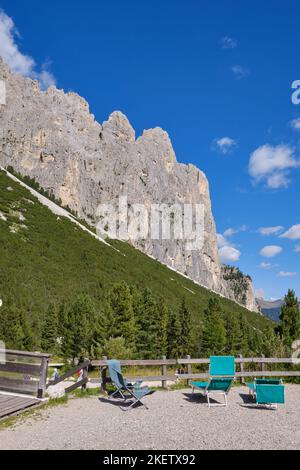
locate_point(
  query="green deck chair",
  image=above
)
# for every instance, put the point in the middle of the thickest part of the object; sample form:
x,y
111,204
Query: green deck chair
x,y
114,367
135,393
221,372
268,392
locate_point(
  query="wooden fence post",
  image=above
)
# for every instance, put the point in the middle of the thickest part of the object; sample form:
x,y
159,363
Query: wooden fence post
x,y
164,370
84,376
242,379
103,370
43,377
189,368
263,364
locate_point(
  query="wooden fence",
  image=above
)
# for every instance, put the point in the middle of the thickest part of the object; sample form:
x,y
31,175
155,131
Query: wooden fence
x,y
262,371
80,383
187,364
163,363
24,372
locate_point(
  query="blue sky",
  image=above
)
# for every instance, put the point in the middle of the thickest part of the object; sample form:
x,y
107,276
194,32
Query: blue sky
x,y
217,76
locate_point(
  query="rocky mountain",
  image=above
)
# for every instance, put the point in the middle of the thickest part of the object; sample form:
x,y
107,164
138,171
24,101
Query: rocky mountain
x,y
270,308
52,137
239,287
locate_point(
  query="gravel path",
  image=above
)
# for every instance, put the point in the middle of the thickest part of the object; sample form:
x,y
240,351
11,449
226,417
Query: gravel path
x,y
174,420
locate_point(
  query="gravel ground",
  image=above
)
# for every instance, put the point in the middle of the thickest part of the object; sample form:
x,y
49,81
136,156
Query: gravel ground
x,y
174,420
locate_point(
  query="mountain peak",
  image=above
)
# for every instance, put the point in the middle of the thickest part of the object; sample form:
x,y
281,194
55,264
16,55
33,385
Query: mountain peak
x,y
118,124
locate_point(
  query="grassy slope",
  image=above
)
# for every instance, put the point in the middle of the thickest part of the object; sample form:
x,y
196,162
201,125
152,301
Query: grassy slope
x,y
51,259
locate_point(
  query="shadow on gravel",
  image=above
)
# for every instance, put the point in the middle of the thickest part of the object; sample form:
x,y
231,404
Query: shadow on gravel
x,y
119,403
198,398
250,403
114,402
247,398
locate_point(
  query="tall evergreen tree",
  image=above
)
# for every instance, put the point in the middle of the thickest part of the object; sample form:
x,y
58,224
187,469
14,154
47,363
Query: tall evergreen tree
x,y
290,319
11,328
184,339
214,334
122,321
148,325
173,333
234,338
163,318
50,331
79,328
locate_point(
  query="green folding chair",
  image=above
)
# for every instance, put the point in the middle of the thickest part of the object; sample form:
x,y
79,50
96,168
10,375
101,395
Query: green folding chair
x,y
221,372
267,392
135,393
114,367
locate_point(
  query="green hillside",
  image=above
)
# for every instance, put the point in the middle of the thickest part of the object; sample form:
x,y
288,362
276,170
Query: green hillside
x,y
48,260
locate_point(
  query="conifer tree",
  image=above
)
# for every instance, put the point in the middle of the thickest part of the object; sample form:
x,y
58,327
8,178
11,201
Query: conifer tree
x,y
290,319
174,332
50,331
214,334
234,338
148,325
184,339
248,340
163,318
121,313
11,328
79,328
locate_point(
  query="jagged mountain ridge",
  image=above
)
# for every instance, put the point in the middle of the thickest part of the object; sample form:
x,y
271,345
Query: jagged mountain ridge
x,y
52,137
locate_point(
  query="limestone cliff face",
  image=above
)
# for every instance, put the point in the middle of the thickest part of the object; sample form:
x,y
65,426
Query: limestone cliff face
x,y
52,137
240,287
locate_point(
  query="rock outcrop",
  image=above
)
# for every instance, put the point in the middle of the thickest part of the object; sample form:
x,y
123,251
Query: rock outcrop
x,y
239,287
52,137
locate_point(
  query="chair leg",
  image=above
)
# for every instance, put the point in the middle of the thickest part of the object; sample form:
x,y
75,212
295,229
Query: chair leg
x,y
118,392
216,404
208,400
133,404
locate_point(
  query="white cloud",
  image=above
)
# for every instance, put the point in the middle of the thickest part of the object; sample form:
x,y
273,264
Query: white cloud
x,y
270,251
259,294
292,233
233,231
229,254
240,71
264,265
286,274
278,180
225,144
222,240
18,62
270,230
229,232
228,42
295,123
227,251
272,165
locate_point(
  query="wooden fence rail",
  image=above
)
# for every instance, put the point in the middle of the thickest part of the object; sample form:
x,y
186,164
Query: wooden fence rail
x,y
243,373
239,360
188,362
80,383
162,363
24,372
